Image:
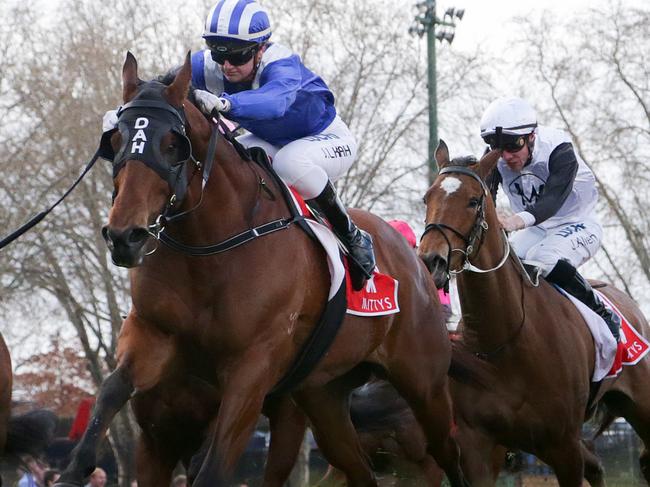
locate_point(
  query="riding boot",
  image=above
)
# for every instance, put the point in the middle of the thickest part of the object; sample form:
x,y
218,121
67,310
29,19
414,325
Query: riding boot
x,y
357,242
568,278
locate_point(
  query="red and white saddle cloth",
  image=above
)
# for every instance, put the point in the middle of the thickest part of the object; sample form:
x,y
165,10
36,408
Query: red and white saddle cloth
x,y
632,347
610,357
379,295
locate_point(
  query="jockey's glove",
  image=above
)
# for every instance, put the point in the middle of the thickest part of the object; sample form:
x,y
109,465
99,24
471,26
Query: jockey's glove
x,y
512,223
109,122
208,102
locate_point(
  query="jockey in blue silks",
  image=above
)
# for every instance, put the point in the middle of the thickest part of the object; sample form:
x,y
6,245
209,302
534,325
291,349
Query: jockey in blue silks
x,y
287,109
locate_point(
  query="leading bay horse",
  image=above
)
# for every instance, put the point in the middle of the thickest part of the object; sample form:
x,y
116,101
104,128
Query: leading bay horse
x,y
531,337
236,320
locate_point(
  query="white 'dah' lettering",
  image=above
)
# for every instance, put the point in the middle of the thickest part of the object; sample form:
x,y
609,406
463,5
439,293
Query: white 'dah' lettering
x,y
140,123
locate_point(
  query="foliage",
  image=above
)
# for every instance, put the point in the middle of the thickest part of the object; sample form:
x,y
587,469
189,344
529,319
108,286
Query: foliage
x,y
57,379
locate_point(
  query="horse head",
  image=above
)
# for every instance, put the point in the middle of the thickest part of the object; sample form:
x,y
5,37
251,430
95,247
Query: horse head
x,y
150,149
456,218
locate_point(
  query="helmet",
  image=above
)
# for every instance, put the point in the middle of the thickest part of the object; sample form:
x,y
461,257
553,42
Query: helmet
x,y
506,122
237,21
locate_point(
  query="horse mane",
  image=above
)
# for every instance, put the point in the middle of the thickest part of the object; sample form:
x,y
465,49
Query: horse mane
x,y
464,161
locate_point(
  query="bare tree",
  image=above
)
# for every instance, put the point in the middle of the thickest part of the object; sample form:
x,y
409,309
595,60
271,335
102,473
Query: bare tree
x,y
594,67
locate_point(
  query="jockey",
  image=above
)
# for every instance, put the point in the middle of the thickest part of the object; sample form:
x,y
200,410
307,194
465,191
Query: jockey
x,y
553,195
288,110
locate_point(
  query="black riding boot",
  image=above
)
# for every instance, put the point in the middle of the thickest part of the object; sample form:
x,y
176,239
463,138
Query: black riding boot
x,y
357,242
567,277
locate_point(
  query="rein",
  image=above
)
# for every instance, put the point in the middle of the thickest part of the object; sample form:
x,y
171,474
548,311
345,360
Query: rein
x,y
40,216
157,229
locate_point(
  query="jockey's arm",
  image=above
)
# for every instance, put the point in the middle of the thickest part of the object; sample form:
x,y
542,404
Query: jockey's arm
x,y
279,85
562,167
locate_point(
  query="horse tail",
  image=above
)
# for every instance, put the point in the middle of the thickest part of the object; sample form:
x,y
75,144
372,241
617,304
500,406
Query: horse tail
x,y
469,369
377,406
30,433
603,419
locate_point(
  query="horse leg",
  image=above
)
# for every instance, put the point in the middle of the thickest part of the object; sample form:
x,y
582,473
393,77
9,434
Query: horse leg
x,y
154,467
636,412
328,408
287,427
430,401
433,474
477,456
594,471
114,393
142,354
567,462
240,408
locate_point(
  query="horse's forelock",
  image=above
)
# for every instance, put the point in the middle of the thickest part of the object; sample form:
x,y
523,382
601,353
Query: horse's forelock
x,y
464,161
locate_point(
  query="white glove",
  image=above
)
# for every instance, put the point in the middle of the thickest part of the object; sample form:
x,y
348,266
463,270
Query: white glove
x,y
208,102
109,121
512,223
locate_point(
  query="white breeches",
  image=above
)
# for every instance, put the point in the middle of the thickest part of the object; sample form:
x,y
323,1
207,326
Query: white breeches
x,y
307,163
576,242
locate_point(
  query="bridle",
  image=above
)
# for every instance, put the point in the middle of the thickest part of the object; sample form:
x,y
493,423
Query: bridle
x,y
473,242
474,238
165,118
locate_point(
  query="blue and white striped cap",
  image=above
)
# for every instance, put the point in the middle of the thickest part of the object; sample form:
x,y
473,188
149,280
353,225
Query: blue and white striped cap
x,y
244,20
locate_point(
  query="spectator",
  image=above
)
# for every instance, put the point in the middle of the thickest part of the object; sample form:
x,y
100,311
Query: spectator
x,y
32,473
97,478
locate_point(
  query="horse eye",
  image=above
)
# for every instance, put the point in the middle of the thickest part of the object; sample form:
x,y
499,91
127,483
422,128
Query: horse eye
x,y
171,147
473,202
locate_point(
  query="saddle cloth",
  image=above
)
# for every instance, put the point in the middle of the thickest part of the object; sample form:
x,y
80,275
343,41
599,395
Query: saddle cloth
x,y
379,295
632,347
611,357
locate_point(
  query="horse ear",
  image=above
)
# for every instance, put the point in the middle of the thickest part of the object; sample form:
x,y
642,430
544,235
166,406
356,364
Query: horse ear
x,y
177,91
130,78
442,154
487,163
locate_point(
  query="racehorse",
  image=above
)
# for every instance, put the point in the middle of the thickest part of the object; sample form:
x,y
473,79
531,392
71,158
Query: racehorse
x,y
532,338
236,320
25,434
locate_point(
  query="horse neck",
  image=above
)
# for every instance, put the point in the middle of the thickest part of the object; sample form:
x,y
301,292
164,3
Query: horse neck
x,y
232,200
491,302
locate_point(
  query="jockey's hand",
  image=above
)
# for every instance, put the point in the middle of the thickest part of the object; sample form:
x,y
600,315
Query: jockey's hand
x,y
208,102
511,223
109,121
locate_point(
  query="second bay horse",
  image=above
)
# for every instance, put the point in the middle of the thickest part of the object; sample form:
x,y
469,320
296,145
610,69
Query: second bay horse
x,y
531,337
236,320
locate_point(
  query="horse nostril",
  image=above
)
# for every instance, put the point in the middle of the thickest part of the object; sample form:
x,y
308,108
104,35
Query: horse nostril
x,y
137,235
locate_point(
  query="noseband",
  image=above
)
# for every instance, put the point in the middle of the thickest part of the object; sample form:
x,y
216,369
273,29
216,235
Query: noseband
x,y
474,238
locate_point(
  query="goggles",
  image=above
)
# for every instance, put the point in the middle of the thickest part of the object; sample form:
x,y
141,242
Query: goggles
x,y
506,142
236,57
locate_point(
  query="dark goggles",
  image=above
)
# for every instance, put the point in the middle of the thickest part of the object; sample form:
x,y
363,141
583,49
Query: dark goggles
x,y
506,142
236,57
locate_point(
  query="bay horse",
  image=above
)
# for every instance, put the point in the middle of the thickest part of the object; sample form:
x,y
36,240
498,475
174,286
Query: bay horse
x,y
532,339
24,434
236,320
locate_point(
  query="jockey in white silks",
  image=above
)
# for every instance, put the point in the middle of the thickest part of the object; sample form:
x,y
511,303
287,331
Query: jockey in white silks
x,y
553,195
